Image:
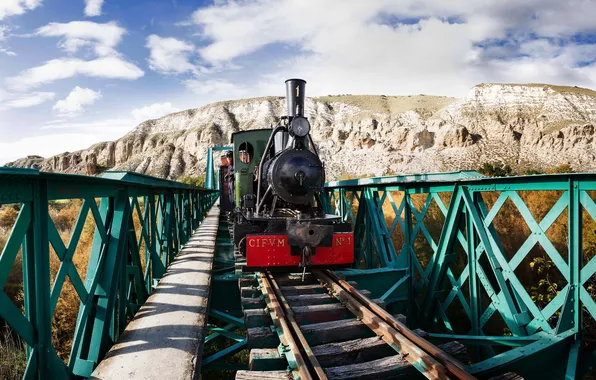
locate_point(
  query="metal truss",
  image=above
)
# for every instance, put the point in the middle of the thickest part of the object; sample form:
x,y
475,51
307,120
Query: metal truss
x,y
469,269
123,266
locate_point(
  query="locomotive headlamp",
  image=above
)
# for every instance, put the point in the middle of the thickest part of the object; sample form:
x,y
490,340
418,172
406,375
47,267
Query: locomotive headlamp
x,y
299,126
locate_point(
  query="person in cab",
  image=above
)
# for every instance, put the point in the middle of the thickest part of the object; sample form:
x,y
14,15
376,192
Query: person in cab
x,y
230,177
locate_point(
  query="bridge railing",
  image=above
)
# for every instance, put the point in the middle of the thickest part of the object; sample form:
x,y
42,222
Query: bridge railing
x,y
134,226
483,257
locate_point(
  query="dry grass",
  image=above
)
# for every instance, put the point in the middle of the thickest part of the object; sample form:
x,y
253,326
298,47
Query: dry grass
x,y
14,284
13,360
12,352
561,89
425,105
235,102
8,215
556,126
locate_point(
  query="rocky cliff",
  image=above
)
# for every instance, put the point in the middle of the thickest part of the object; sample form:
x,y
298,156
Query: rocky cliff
x,y
526,126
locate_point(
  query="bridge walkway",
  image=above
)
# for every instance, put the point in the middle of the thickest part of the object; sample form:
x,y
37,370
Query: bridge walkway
x,y
165,338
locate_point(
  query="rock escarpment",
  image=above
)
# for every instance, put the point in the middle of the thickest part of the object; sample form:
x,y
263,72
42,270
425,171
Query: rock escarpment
x,y
526,126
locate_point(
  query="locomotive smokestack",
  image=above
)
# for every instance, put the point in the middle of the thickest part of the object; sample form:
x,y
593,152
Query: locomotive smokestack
x,y
295,96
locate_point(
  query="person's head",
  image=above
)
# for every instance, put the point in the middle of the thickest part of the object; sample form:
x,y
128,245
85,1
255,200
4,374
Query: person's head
x,y
244,157
230,157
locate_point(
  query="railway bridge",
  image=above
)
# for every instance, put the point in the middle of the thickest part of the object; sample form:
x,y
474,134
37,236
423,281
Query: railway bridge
x,y
457,275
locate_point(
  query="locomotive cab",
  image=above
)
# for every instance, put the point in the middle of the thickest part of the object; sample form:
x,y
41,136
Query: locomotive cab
x,y
280,219
249,147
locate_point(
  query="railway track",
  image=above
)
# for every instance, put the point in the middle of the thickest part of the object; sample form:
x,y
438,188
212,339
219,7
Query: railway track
x,y
324,328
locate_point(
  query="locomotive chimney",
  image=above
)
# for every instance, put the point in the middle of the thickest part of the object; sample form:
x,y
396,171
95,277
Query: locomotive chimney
x,y
295,96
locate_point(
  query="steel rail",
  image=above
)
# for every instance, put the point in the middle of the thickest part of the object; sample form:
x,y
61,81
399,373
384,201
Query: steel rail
x,y
280,320
316,366
450,364
421,360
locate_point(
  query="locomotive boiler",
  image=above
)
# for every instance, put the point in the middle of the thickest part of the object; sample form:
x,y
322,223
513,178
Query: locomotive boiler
x,y
279,221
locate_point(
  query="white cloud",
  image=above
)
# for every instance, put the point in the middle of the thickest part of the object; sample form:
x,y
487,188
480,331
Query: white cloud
x,y
44,145
3,30
170,55
16,7
93,7
410,46
56,69
115,127
60,136
216,88
103,38
10,101
75,101
154,111
8,52
50,144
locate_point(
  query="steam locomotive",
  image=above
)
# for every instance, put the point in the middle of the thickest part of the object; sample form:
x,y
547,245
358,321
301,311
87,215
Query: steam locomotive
x,y
278,220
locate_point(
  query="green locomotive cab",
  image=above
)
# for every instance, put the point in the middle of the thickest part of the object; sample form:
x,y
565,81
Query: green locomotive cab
x,y
249,147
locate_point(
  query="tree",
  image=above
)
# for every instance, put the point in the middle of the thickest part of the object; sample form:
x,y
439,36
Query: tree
x,y
495,169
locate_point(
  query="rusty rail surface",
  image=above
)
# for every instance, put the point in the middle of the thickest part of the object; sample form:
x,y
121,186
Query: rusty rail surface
x,y
426,357
280,319
305,347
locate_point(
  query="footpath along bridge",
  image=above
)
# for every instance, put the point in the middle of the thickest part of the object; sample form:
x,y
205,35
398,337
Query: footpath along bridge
x,y
162,295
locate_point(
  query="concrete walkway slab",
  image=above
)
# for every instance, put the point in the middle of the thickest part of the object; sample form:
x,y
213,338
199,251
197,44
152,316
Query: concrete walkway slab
x,y
166,336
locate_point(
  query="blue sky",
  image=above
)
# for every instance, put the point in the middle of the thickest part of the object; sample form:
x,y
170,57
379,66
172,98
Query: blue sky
x,y
76,72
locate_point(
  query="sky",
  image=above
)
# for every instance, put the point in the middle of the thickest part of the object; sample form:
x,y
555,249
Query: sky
x,y
77,72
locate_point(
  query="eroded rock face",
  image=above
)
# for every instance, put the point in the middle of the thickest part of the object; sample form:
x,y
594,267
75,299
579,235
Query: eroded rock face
x,y
91,164
456,137
536,126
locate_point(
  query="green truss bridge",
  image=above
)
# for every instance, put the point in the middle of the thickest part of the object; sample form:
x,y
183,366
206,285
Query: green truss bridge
x,y
502,267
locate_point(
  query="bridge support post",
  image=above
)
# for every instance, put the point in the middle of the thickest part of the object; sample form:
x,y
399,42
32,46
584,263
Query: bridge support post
x,y
187,215
408,249
157,267
474,290
210,171
571,314
42,357
362,246
103,332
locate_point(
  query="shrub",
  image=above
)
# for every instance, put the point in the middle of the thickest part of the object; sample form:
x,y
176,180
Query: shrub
x,y
8,215
67,215
565,168
198,181
533,172
495,169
